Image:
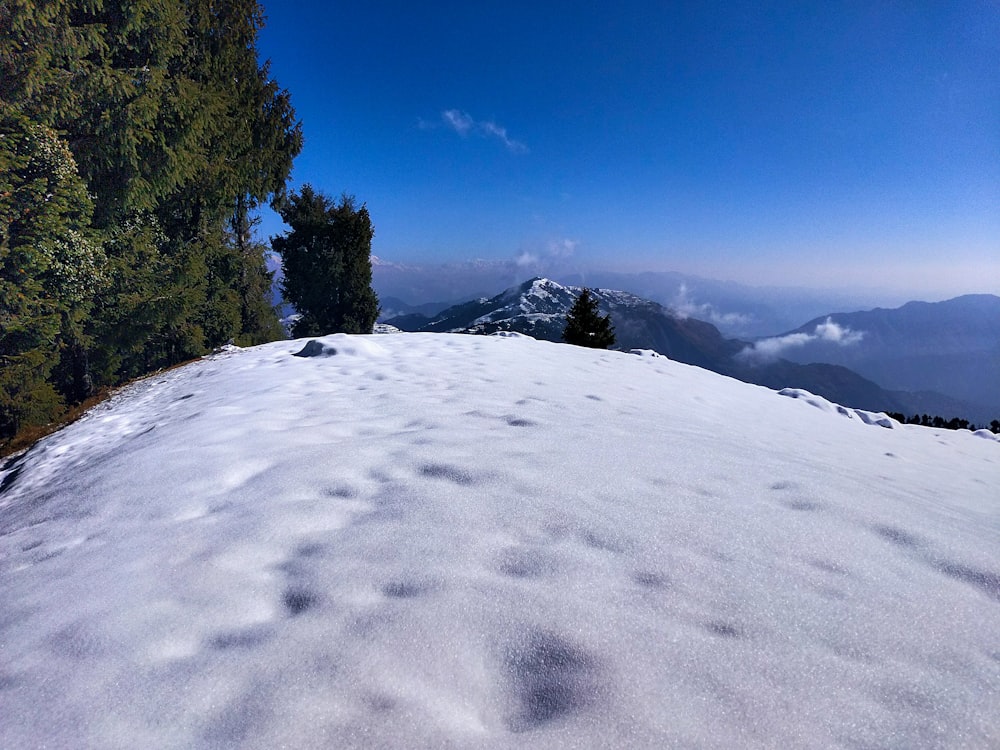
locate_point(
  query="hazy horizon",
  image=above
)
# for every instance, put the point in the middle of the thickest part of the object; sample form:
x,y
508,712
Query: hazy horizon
x,y
834,146
872,289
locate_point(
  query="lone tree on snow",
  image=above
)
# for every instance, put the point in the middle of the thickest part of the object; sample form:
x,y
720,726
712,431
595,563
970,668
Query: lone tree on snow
x,y
585,327
326,260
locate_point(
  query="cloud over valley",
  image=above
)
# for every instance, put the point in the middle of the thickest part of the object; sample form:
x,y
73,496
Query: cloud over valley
x,y
770,349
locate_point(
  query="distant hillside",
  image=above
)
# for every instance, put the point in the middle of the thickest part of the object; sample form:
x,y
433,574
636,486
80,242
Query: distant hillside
x,y
538,308
952,347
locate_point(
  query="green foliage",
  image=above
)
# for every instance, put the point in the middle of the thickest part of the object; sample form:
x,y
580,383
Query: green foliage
x,y
103,72
585,326
147,318
326,258
178,134
50,266
259,317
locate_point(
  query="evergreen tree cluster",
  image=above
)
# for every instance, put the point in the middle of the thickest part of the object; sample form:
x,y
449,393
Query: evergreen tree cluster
x,y
137,139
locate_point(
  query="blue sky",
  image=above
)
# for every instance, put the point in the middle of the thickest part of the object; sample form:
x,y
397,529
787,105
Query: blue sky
x,y
820,143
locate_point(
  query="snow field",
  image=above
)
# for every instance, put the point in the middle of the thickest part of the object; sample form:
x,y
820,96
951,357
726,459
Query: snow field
x,y
432,540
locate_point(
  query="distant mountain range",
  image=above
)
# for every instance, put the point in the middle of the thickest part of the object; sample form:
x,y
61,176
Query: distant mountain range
x,y
538,308
951,346
736,309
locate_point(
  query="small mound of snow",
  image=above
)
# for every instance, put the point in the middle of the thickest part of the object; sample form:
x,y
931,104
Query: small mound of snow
x,y
229,348
987,434
343,344
511,335
315,348
813,400
880,419
645,352
794,393
385,328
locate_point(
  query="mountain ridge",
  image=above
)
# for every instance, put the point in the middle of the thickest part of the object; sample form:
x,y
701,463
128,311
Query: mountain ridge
x,y
738,309
952,347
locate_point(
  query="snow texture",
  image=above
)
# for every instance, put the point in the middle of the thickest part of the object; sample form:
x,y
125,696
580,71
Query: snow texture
x,y
432,540
868,417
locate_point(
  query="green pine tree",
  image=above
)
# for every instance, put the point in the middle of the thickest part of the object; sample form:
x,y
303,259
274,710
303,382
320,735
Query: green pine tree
x,y
326,259
585,326
258,314
51,265
179,134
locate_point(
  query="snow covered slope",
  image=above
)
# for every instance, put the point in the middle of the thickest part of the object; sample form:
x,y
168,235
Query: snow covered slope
x,y
430,540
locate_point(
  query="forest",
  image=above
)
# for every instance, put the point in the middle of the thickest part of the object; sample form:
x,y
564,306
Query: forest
x,y
137,141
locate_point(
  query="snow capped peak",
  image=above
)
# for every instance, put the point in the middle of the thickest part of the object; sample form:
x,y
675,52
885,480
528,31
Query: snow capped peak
x,y
540,282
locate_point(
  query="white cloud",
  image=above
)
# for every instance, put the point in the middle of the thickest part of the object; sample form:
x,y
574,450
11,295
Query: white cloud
x,y
832,331
563,248
685,307
526,259
458,121
492,129
545,256
767,350
464,124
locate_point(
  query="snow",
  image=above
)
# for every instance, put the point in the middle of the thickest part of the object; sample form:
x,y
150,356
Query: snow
x,y
428,540
880,419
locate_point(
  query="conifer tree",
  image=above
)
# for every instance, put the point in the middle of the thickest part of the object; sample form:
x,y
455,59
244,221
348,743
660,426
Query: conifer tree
x,y
585,326
179,134
258,313
51,264
326,260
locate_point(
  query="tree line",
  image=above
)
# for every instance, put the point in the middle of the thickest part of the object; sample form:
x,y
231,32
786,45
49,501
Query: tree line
x,y
955,423
137,140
